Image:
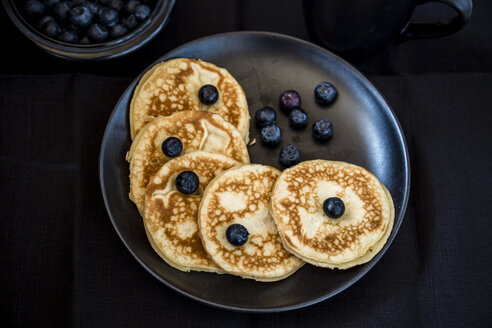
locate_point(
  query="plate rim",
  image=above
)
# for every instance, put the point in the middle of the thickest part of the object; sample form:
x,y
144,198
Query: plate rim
x,y
373,89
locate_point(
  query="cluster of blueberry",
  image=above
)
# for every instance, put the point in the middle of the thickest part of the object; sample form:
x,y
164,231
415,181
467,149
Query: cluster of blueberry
x,y
86,21
290,104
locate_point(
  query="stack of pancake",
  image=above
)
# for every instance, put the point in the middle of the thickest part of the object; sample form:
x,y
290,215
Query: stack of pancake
x,y
281,213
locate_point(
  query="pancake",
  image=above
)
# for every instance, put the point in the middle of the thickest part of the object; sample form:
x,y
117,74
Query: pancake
x,y
371,252
173,86
197,130
297,209
170,217
378,246
241,196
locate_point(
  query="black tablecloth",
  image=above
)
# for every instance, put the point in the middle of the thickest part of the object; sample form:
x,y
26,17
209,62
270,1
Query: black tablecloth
x,y
63,264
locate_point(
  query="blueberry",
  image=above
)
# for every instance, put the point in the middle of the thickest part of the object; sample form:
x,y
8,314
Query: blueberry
x,y
237,234
334,207
97,33
74,28
61,11
131,5
117,31
51,3
68,36
322,130
208,94
265,116
45,20
187,182
325,93
116,4
80,16
289,155
172,147
51,29
85,40
108,17
271,135
298,118
289,100
34,8
142,12
130,22
94,8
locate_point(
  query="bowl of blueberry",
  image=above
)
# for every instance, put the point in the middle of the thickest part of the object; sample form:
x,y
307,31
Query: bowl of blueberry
x,y
89,29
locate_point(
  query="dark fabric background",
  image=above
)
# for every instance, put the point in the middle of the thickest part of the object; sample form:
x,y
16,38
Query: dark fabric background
x,y
63,265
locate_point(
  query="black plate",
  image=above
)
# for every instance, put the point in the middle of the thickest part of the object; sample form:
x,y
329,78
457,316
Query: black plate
x,y
366,133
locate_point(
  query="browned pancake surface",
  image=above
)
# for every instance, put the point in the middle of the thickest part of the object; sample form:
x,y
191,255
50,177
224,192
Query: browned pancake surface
x,y
297,207
241,196
170,217
173,86
197,130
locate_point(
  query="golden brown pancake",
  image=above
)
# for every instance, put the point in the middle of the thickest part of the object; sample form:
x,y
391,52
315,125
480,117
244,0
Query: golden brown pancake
x,y
374,249
170,217
241,196
173,86
197,130
306,231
